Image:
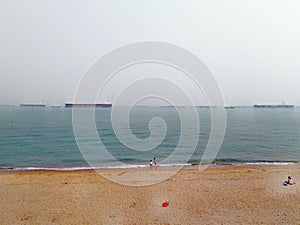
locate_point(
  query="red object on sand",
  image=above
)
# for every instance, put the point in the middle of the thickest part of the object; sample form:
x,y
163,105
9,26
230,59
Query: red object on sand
x,y
165,204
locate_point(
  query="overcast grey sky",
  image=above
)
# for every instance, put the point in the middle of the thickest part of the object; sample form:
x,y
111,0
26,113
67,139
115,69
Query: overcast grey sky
x,y
252,47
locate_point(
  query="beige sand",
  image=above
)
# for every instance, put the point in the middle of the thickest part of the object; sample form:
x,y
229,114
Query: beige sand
x,y
216,196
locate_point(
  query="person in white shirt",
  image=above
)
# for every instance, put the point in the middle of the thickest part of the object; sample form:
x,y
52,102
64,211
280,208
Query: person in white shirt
x,y
288,181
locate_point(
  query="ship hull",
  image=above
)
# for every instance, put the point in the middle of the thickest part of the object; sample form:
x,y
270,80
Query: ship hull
x,y
32,105
87,105
273,106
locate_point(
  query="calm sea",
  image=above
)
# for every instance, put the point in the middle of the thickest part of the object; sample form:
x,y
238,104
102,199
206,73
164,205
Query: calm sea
x,y
44,138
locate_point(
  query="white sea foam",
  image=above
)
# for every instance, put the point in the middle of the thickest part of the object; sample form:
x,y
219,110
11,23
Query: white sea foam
x,y
142,166
52,168
271,163
127,166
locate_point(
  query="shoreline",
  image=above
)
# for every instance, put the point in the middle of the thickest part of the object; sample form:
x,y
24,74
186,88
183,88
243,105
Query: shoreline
x,y
146,167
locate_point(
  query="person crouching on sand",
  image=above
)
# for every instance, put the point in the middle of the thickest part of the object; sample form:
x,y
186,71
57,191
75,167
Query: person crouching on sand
x,y
288,181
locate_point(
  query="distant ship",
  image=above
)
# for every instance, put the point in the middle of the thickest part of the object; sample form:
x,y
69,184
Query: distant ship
x,y
229,107
283,105
33,105
55,106
106,104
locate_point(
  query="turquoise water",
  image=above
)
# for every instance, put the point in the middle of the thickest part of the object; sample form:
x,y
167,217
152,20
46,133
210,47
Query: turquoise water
x,y
43,137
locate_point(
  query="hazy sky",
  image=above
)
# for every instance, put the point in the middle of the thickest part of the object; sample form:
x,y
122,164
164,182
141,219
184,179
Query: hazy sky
x,y
252,47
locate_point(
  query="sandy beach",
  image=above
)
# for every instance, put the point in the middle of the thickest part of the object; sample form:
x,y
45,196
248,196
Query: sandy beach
x,y
245,195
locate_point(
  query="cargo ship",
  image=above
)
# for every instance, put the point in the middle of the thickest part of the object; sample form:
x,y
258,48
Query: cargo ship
x,y
282,105
106,104
33,105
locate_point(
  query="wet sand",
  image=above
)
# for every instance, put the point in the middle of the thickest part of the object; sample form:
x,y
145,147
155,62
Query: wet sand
x,y
245,195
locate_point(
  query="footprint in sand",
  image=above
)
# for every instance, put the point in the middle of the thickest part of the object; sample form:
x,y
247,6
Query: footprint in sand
x,y
132,205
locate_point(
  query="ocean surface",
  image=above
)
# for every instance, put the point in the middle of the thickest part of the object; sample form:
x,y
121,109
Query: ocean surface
x,y
35,138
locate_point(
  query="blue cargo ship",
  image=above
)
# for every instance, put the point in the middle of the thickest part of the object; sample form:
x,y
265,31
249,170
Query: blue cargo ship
x,y
106,104
283,105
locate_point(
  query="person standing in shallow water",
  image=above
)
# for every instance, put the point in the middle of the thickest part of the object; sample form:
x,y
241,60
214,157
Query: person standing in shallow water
x,y
154,161
151,163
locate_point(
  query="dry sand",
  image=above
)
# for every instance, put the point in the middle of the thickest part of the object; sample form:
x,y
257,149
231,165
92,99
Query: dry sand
x,y
215,196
